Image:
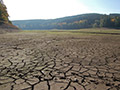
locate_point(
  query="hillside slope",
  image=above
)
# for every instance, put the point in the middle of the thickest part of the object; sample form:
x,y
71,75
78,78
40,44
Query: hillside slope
x,y
5,23
72,22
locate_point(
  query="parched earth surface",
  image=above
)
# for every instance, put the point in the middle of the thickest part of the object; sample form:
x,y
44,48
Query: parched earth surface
x,y
41,61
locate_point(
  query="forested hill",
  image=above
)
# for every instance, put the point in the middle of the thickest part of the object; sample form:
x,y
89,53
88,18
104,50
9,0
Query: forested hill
x,y
5,23
72,22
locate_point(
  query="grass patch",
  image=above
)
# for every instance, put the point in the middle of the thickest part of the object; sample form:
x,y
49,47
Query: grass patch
x,y
91,31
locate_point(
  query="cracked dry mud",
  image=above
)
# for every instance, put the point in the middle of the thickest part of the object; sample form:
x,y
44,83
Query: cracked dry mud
x,y
32,61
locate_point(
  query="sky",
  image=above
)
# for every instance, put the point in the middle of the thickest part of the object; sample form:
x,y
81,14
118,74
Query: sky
x,y
51,9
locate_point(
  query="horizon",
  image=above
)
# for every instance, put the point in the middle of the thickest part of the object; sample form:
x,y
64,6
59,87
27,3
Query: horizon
x,y
58,8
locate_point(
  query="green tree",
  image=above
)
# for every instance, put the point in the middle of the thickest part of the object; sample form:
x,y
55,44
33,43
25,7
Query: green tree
x,y
117,22
3,14
96,24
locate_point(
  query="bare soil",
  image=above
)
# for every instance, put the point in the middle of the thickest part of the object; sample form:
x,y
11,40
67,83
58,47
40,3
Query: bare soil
x,y
41,61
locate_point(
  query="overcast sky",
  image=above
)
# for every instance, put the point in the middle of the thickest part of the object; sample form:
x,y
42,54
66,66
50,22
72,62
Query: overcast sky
x,y
50,9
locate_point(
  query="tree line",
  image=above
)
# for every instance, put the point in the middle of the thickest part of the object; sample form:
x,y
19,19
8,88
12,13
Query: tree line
x,y
92,20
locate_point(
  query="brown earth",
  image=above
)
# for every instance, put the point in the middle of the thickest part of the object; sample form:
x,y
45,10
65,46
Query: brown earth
x,y
40,61
4,28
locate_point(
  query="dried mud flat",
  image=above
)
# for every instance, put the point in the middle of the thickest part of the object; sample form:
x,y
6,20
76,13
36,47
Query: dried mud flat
x,y
40,61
